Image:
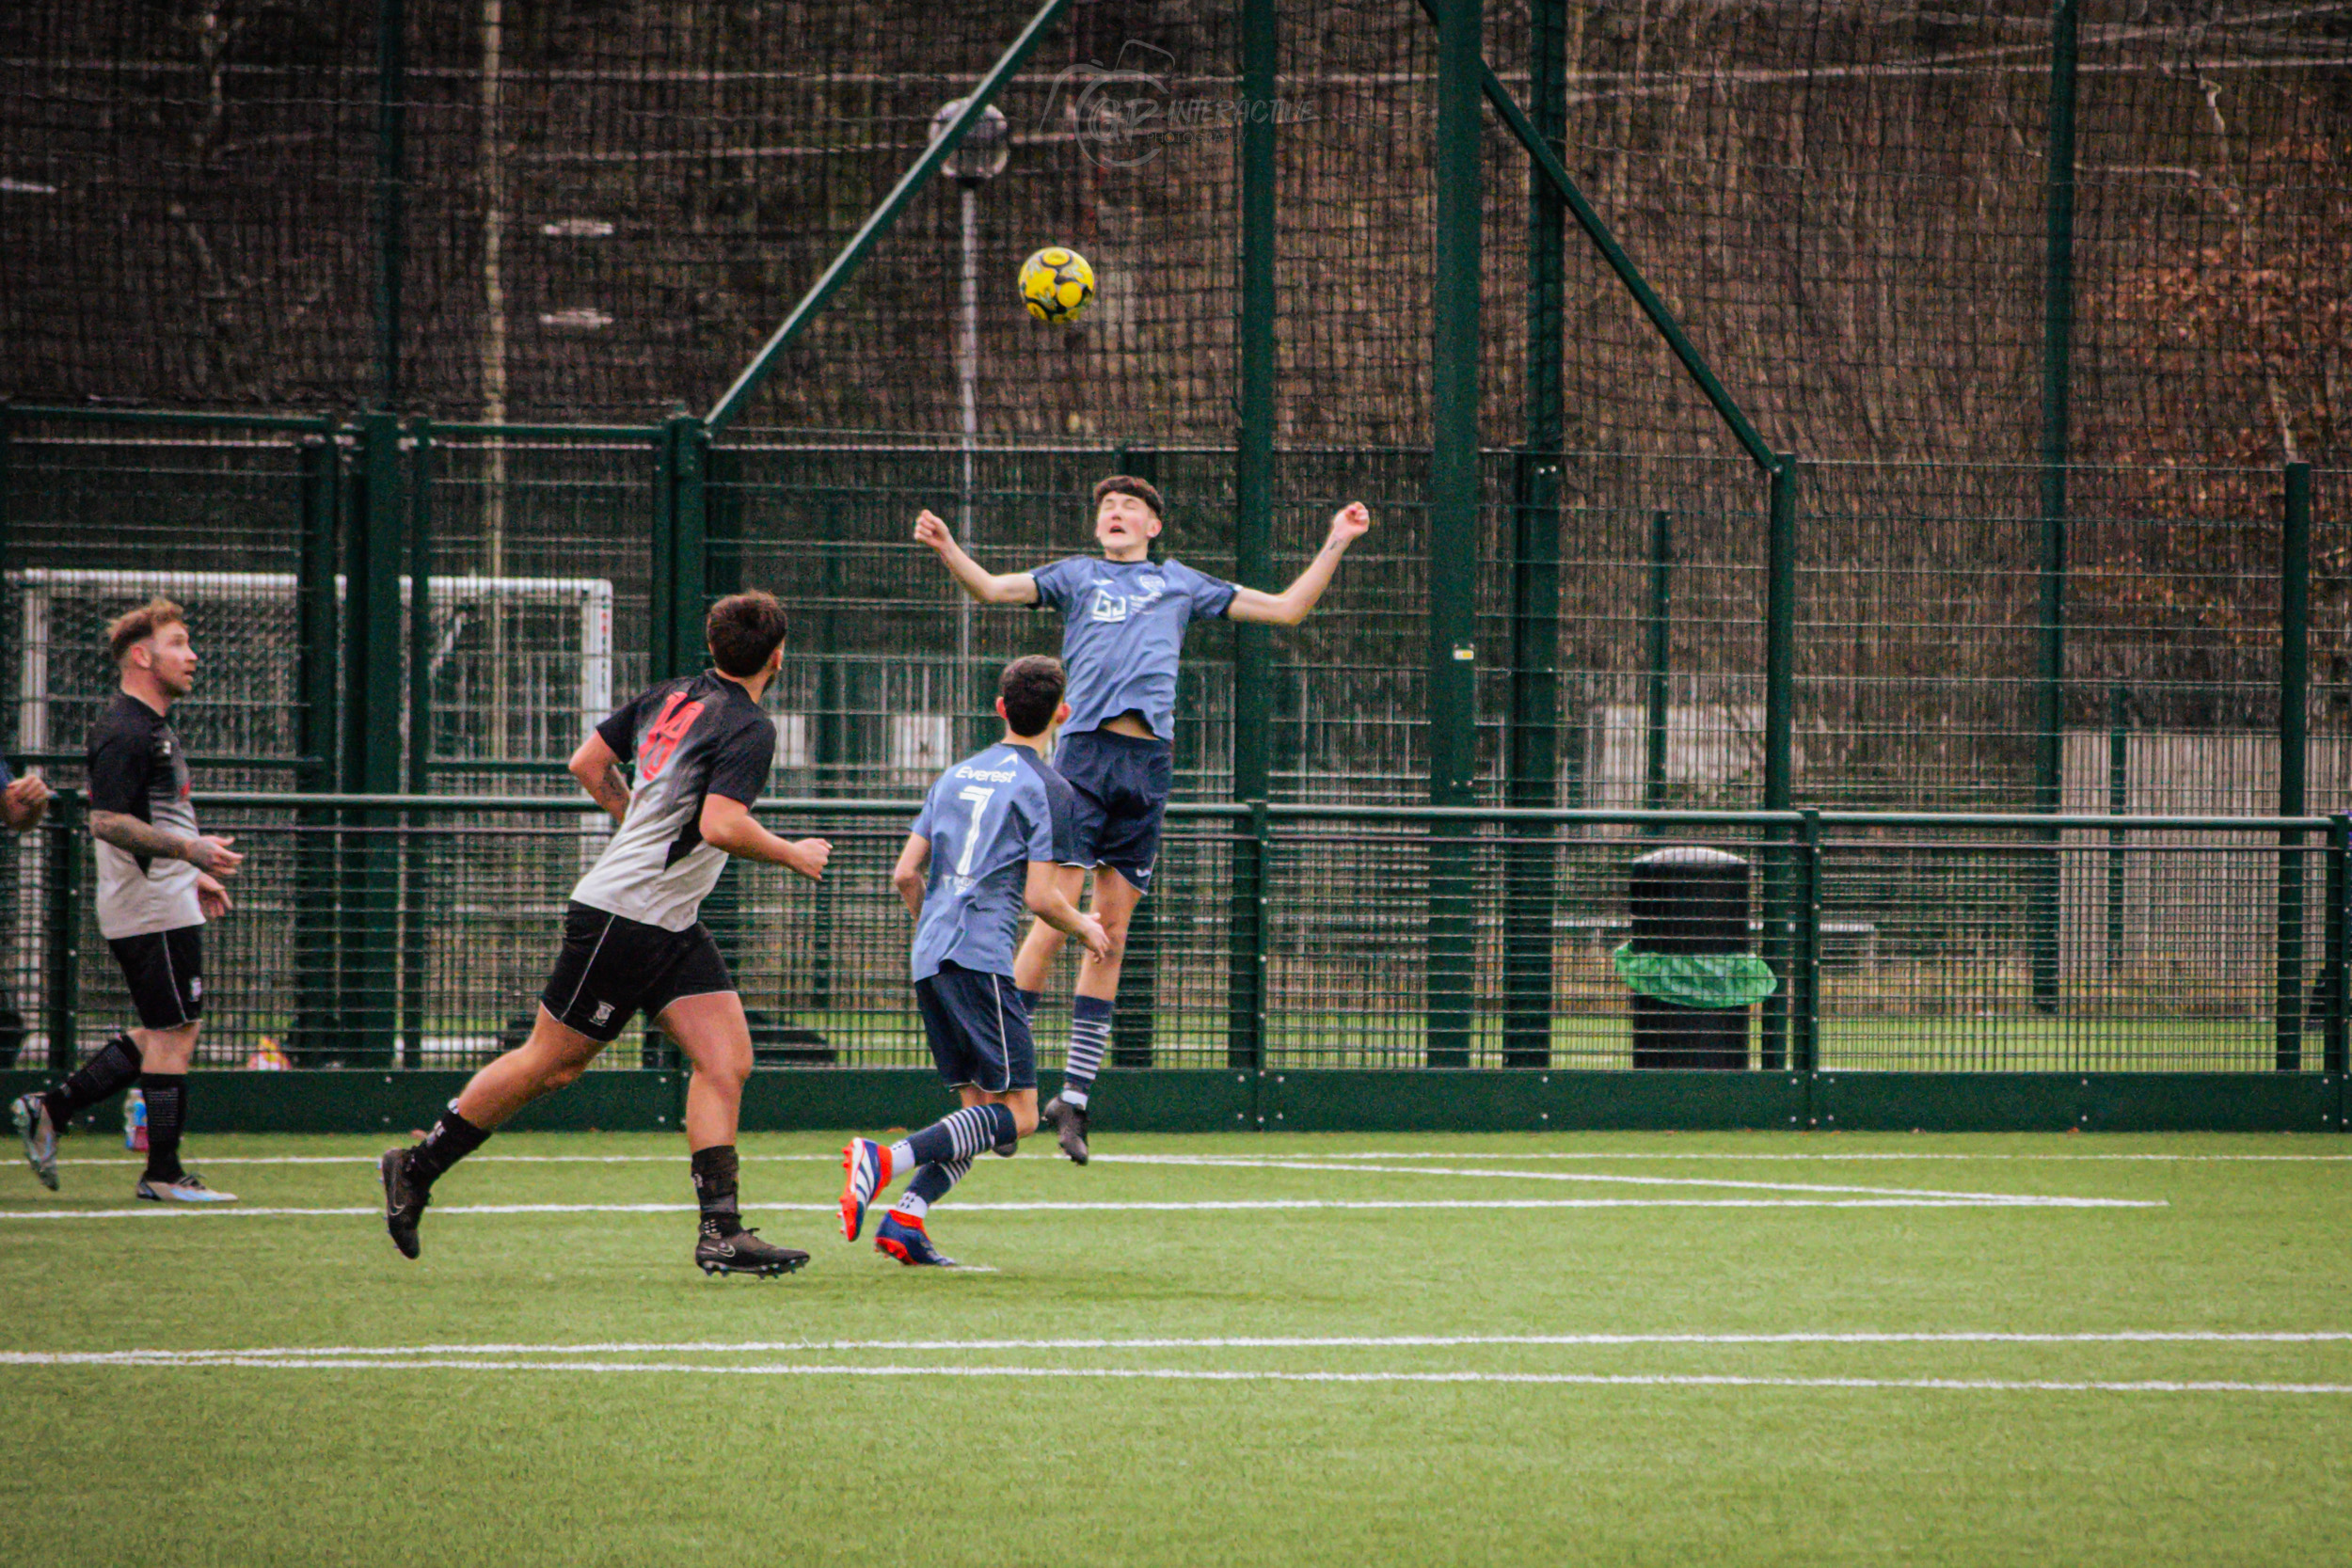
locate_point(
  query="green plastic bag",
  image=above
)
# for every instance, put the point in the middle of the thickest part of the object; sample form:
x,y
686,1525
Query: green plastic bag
x,y
1697,979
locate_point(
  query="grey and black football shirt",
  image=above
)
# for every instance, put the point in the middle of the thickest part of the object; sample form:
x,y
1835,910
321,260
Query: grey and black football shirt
x,y
698,736
138,767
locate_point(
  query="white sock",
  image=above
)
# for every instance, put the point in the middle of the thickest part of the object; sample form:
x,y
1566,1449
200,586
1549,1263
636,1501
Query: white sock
x,y
1073,1097
901,1162
913,1206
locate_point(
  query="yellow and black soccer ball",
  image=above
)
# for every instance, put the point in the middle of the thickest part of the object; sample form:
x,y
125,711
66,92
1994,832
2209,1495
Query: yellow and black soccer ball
x,y
1056,285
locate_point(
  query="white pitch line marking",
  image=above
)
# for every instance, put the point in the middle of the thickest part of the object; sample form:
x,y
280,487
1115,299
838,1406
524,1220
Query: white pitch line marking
x,y
369,1160
1657,1181
1385,1341
1246,1160
1692,1154
1173,1375
234,1210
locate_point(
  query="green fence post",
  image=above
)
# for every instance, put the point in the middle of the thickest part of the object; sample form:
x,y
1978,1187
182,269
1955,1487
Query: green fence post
x,y
1246,970
423,456
661,564
1662,577
719,574
373,640
392,178
63,1003
2056,376
2119,804
1780,678
689,571
1532,849
415,872
316,1035
1453,524
1806,1039
1136,1006
2334,986
1253,539
1532,764
679,574
2294,675
1253,457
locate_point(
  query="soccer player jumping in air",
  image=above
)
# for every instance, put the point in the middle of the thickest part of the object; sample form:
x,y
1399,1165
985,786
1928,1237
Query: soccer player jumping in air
x,y
995,834
1124,619
156,889
631,942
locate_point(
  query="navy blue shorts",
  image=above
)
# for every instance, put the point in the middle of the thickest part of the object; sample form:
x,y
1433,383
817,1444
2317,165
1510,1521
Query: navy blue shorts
x,y
979,1031
1123,782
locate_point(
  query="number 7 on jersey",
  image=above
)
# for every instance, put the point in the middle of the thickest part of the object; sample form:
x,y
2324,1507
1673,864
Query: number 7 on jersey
x,y
980,798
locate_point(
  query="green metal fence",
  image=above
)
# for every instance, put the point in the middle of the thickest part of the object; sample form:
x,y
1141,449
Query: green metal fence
x,y
1634,640
414,933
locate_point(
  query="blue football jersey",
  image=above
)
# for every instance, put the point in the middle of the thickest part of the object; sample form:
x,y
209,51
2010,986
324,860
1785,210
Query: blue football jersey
x,y
1122,626
987,818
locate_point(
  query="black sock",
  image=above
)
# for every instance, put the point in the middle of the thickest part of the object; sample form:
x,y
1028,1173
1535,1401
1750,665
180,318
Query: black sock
x,y
113,1066
452,1139
714,1189
166,1114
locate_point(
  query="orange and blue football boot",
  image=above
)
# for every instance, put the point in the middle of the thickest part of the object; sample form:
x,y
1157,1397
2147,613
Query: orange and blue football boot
x,y
903,1237
869,1167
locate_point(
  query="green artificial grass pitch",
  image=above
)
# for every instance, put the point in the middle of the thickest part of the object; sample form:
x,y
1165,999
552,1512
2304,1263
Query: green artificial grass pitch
x,y
1254,1349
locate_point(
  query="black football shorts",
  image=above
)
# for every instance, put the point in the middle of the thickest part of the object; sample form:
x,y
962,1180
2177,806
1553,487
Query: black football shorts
x,y
612,969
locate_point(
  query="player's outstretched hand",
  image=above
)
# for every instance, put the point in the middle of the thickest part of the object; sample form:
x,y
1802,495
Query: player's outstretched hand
x,y
1350,523
929,530
214,855
812,855
1095,940
211,897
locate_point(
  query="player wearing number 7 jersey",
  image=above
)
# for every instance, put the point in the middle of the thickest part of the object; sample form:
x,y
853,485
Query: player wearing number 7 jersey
x,y
996,833
631,942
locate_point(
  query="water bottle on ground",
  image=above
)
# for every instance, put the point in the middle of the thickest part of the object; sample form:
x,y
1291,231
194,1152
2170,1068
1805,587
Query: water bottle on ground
x,y
134,1121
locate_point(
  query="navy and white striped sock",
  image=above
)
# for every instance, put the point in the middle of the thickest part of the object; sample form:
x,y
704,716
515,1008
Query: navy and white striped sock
x,y
931,1184
1090,1041
957,1135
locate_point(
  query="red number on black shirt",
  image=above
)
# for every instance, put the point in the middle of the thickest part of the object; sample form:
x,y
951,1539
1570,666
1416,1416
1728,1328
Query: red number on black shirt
x,y
652,753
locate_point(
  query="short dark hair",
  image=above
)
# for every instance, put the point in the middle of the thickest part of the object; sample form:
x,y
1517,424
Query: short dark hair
x,y
1128,485
1032,691
743,629
136,625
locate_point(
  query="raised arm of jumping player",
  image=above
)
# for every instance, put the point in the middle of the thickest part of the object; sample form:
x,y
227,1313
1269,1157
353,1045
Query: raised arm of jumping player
x,y
977,580
1289,607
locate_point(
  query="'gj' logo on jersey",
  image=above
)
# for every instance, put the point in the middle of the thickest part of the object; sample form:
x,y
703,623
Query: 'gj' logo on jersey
x,y
652,753
1109,605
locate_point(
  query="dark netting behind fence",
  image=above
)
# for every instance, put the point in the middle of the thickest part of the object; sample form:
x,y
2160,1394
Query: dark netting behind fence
x,y
565,211
600,212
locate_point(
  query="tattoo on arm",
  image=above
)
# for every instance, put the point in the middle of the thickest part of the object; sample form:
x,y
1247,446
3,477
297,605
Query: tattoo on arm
x,y
134,837
611,793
